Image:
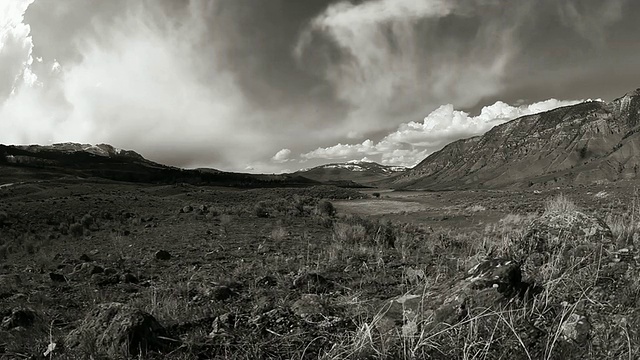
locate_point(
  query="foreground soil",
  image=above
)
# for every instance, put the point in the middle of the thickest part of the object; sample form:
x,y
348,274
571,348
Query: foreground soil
x,y
262,273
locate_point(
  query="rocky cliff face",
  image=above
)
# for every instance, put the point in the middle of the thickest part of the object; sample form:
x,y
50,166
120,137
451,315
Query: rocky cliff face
x,y
584,143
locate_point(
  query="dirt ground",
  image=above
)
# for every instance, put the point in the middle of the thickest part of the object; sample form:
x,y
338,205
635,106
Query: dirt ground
x,y
248,253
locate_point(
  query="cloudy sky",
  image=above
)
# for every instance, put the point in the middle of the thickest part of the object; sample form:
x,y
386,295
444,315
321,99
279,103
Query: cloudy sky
x,y
269,86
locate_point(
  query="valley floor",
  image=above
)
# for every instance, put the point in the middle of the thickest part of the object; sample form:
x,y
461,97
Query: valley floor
x,y
280,273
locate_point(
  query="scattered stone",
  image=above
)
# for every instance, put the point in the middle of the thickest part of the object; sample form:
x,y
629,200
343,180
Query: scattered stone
x,y
57,277
491,283
118,330
312,283
18,317
266,281
222,292
308,304
575,328
555,230
129,278
96,269
85,258
163,255
222,323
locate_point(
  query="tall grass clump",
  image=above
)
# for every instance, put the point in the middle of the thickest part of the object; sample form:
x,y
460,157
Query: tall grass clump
x,y
560,204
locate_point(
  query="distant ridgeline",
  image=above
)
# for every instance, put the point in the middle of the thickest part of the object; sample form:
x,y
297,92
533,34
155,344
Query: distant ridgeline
x,y
107,162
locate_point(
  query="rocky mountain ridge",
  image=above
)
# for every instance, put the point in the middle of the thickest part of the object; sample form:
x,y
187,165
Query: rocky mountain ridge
x,y
591,142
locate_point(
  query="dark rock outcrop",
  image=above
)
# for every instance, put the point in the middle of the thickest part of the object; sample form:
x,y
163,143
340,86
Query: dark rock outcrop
x,y
117,330
490,284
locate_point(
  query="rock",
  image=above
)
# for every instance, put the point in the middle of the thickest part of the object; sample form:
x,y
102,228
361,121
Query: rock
x,y
187,209
491,283
564,230
312,283
129,278
222,292
57,277
222,323
163,255
575,328
18,317
118,330
308,304
96,269
266,281
85,258
110,271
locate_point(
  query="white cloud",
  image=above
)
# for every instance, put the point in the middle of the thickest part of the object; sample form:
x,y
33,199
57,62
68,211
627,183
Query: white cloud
x,y
414,141
282,156
140,82
15,46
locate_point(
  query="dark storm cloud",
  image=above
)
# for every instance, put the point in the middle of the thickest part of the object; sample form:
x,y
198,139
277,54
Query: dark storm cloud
x,y
254,84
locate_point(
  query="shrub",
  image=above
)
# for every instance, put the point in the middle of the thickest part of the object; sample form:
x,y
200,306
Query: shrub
x,y
325,207
76,229
376,195
560,204
349,234
260,210
87,220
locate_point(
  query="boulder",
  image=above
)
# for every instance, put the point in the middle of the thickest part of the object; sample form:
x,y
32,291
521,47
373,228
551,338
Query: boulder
x,y
575,328
163,255
18,317
490,284
565,230
118,330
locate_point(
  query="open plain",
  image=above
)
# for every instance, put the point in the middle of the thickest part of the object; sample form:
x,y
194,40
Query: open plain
x,y
313,272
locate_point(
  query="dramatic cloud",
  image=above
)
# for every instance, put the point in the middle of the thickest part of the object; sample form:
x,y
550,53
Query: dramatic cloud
x,y
414,141
15,46
591,20
281,156
395,59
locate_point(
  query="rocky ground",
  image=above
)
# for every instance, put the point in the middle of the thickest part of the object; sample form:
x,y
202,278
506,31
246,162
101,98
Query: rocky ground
x,y
102,270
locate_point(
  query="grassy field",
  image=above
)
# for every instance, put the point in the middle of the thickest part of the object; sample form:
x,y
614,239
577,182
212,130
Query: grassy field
x,y
313,273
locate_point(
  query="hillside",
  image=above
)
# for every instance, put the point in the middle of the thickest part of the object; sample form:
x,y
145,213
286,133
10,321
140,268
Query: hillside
x,y
360,172
591,142
18,163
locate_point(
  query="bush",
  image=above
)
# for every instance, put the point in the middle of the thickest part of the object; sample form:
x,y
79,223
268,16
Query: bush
x,y
560,204
76,229
325,207
260,210
376,195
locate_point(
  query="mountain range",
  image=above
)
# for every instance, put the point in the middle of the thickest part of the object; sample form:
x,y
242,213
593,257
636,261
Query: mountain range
x,y
360,172
590,142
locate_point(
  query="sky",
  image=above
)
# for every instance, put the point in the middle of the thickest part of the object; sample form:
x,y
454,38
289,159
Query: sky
x,y
279,85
